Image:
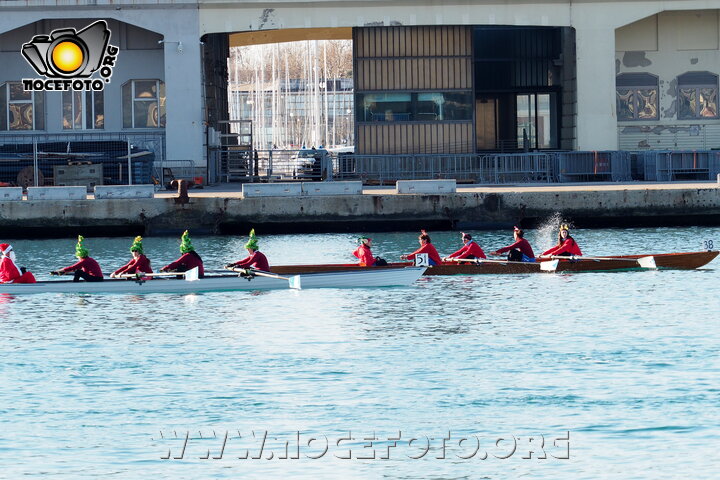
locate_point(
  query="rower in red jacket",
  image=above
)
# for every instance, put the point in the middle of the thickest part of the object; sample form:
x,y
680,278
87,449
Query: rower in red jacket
x,y
364,253
470,249
566,246
139,262
256,259
86,268
520,250
426,246
9,272
188,260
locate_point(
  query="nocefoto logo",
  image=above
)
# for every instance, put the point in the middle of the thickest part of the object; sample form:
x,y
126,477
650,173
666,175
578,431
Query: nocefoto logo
x,y
67,58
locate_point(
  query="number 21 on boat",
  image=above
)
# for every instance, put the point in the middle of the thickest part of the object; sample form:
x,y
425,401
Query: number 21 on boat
x,y
422,260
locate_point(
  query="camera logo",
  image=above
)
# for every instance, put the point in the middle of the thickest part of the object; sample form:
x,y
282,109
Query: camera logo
x,y
68,58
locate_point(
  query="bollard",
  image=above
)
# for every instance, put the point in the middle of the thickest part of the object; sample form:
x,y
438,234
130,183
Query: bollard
x,y
182,186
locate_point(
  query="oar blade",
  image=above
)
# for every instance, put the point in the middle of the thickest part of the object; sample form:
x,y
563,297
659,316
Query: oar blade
x,y
647,262
192,275
294,282
549,266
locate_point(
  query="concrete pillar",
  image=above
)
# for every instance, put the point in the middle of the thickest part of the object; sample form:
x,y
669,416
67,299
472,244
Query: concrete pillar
x,y
596,110
183,89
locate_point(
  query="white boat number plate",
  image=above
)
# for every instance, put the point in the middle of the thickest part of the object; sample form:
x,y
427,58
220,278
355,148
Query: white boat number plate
x,y
422,260
708,245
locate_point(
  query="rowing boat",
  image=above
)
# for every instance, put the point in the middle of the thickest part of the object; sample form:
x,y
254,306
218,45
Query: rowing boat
x,y
663,261
220,283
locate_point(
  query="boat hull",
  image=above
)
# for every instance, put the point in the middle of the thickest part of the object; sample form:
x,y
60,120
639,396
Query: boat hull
x,y
220,283
676,261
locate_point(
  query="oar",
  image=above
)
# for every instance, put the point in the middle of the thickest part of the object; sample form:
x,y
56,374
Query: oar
x,y
190,275
479,260
293,282
644,262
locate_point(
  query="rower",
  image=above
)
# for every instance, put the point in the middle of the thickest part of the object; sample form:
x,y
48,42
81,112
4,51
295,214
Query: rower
x,y
9,272
469,250
188,260
426,246
86,268
364,253
138,264
519,251
566,246
256,258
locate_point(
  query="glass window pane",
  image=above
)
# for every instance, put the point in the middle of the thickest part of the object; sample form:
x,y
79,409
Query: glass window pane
x,y
687,103
17,92
146,114
4,107
708,102
544,125
78,109
67,110
39,111
145,89
457,106
162,105
127,105
99,110
625,104
21,116
647,104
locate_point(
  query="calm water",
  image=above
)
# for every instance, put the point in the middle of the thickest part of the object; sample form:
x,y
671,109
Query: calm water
x,y
627,363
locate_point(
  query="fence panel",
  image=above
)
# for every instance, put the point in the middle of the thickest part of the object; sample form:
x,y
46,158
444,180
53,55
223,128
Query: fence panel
x,y
594,166
79,158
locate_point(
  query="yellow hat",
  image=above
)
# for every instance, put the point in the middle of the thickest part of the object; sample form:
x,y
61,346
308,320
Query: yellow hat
x,y
565,226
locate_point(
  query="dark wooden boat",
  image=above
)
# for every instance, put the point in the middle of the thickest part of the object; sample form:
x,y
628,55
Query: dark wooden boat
x,y
663,261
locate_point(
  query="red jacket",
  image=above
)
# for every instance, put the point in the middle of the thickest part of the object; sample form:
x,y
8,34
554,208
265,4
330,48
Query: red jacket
x,y
470,249
135,265
9,272
365,255
256,260
187,261
568,246
428,248
87,265
522,245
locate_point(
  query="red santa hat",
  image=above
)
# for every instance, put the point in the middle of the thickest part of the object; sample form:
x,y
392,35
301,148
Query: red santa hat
x,y
5,248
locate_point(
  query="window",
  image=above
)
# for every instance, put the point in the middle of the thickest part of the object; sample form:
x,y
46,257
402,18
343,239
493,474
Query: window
x,y
414,107
83,110
697,95
143,104
21,110
637,96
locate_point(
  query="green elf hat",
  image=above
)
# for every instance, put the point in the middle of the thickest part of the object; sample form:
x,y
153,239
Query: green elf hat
x,y
80,250
252,241
137,245
362,240
186,245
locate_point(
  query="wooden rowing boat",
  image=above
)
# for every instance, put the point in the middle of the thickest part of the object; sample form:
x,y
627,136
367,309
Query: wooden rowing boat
x,y
677,261
219,283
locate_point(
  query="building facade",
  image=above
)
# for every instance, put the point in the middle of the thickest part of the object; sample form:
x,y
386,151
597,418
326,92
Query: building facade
x,y
429,77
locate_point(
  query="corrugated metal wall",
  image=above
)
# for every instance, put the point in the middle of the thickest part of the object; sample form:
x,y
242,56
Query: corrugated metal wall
x,y
413,59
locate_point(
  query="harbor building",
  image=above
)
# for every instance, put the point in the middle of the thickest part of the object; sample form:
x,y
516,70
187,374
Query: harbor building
x,y
429,77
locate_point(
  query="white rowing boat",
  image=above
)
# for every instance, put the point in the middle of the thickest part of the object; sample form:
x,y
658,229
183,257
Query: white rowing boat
x,y
220,283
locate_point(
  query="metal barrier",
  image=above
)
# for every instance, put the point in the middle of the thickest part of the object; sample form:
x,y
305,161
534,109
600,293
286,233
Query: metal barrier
x,y
166,171
596,166
118,158
686,165
519,167
387,169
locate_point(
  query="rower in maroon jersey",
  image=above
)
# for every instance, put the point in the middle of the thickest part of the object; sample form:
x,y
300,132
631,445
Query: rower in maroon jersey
x,y
86,268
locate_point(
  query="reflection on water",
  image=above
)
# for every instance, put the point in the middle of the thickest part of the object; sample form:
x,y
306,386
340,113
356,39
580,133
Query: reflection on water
x,y
93,385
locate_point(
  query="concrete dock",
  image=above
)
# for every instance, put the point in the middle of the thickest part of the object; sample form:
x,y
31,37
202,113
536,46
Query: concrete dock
x,y
223,209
